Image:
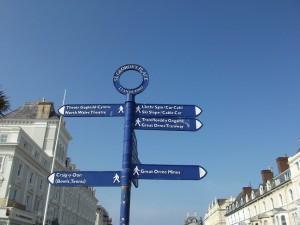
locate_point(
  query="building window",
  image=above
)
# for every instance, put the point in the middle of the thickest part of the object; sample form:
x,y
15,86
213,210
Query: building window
x,y
297,166
37,205
41,184
14,194
269,185
36,154
3,138
283,222
31,178
261,189
280,201
1,162
272,203
291,195
253,195
28,202
277,220
19,172
287,175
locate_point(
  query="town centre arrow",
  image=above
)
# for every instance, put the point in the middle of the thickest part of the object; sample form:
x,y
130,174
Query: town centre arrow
x,y
86,178
168,172
160,110
167,123
92,110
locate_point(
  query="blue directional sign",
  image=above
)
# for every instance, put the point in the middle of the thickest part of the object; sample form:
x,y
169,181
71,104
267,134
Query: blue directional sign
x,y
86,178
92,110
167,123
168,172
160,110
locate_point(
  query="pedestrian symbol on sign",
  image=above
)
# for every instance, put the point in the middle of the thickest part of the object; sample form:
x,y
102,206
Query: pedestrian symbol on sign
x,y
121,109
136,171
116,178
138,122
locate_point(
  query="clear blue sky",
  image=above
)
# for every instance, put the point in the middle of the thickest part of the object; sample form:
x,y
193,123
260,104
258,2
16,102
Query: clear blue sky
x,y
237,60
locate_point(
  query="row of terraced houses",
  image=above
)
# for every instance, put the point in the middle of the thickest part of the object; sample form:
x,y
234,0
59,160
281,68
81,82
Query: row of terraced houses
x,y
28,137
275,202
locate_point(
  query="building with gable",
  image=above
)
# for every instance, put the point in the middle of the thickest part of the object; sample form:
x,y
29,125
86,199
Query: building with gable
x,y
273,202
27,142
216,212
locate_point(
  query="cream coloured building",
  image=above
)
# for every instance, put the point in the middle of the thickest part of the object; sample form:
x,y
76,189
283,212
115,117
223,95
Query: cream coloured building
x,y
275,202
216,212
27,140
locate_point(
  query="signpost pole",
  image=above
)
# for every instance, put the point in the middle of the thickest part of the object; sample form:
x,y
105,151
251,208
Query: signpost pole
x,y
137,116
126,173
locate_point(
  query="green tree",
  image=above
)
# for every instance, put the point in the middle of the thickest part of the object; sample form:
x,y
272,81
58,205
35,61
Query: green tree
x,y
4,102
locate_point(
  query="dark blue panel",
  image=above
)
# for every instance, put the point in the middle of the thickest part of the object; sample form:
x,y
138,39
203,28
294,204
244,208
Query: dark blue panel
x,y
92,110
167,123
161,110
86,178
168,172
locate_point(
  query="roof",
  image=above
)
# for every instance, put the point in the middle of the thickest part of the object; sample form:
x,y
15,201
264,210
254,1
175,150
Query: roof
x,y
29,111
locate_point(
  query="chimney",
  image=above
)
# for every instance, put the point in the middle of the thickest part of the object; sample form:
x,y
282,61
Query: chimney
x,y
282,164
246,190
44,110
266,175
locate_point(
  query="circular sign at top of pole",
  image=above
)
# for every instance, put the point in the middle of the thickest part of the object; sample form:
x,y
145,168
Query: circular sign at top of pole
x,y
134,91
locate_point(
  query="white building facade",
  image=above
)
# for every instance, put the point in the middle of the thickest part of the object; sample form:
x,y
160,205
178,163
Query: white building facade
x,y
216,212
27,142
275,202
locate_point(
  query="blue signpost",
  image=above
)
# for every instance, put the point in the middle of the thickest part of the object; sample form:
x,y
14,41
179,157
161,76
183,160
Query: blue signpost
x,y
169,117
